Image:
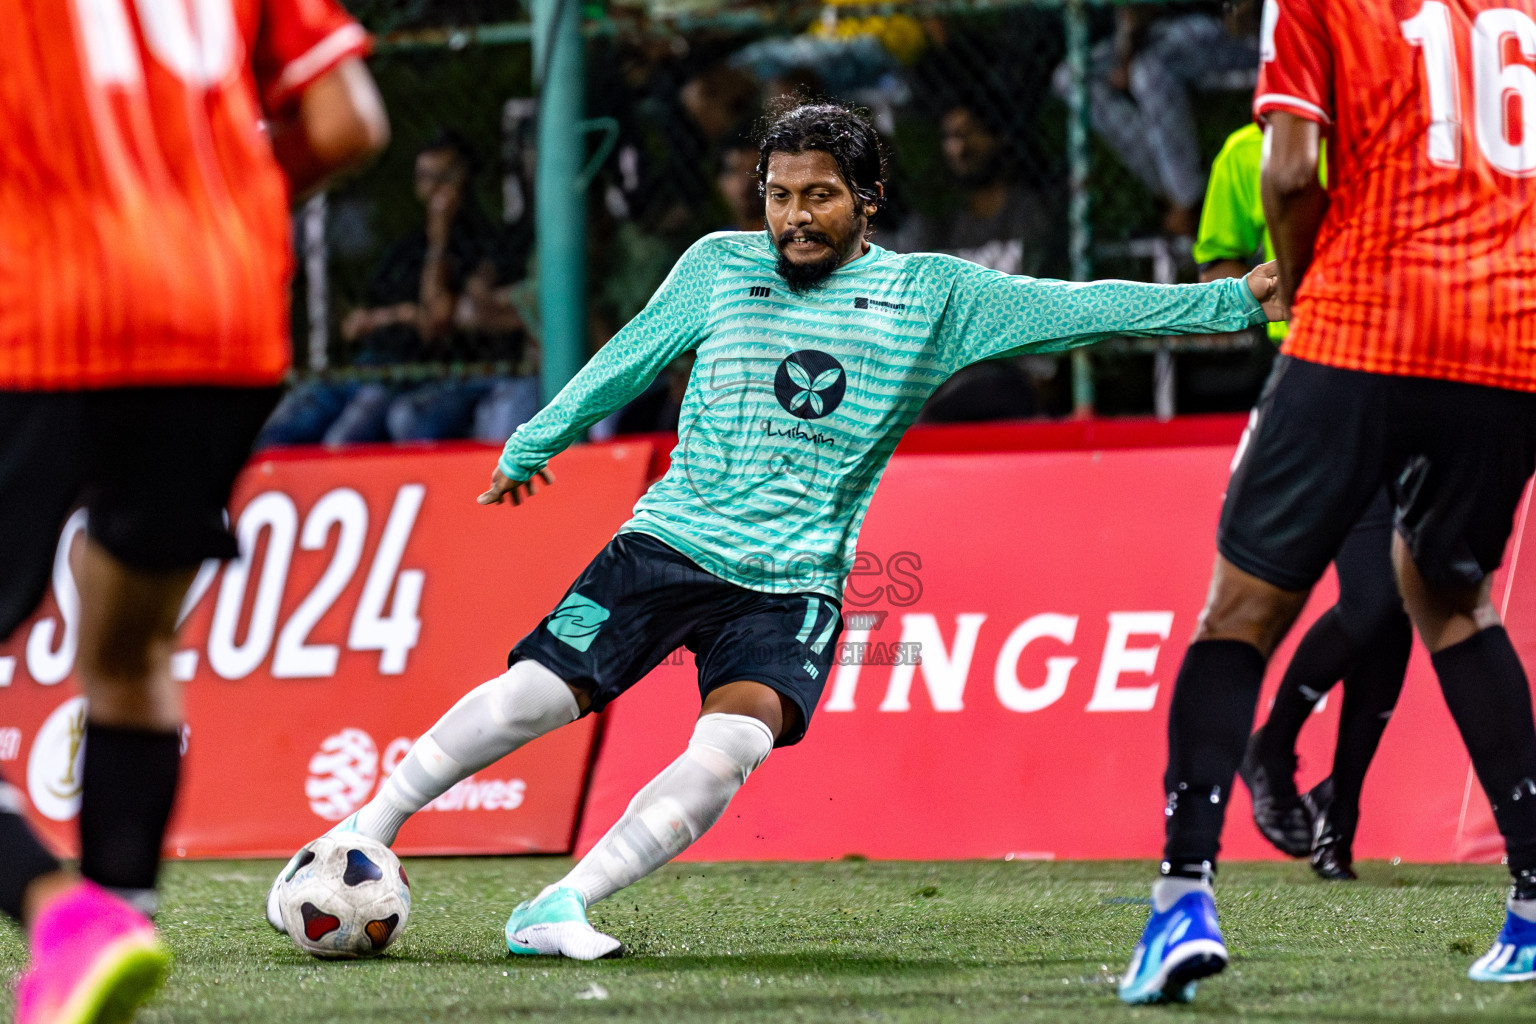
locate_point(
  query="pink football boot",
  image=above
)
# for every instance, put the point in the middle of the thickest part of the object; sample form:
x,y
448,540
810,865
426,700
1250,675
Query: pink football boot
x,y
95,960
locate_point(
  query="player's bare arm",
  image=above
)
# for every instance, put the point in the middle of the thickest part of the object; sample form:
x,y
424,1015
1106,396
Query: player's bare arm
x,y
338,125
504,486
1223,269
1294,198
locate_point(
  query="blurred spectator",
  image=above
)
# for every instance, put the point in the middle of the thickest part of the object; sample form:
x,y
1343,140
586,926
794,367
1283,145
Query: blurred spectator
x,y
796,81
658,407
736,181
838,64
1139,83
439,294
1000,223
634,242
719,100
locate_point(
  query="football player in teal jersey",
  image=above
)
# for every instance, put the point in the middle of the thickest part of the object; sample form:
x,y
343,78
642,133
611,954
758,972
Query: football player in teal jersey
x,y
815,349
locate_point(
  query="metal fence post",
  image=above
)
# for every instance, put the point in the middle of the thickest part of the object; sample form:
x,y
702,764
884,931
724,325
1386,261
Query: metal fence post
x,y
317,294
559,204
1080,241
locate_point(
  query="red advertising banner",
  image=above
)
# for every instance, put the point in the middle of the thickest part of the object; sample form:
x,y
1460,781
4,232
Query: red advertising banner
x,y
1015,625
373,592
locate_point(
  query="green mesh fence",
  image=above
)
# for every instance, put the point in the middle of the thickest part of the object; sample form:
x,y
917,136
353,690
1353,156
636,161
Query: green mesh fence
x,y
682,85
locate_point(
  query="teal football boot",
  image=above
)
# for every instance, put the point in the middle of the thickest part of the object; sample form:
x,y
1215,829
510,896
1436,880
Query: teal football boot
x,y
555,924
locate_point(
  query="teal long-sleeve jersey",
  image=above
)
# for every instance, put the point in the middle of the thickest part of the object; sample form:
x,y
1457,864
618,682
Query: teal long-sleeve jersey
x,y
797,399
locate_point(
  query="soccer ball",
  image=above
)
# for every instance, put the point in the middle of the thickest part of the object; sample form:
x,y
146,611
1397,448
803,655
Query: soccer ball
x,y
345,897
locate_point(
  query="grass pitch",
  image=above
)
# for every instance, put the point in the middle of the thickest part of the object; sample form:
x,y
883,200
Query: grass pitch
x,y
847,941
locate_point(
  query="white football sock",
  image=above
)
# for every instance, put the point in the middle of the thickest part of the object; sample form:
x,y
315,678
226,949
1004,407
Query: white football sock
x,y
1168,891
1523,909
676,807
487,724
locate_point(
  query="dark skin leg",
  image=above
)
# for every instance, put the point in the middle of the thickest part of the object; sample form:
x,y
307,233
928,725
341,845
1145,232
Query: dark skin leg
x,y
1243,607
1444,616
754,700
42,891
127,636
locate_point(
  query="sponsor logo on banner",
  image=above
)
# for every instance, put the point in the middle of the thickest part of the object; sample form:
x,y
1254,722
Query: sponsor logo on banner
x,y
474,794
356,606
57,762
471,794
342,774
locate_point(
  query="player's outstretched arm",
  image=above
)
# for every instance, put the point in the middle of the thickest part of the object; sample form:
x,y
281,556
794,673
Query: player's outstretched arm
x,y
987,314
337,125
671,323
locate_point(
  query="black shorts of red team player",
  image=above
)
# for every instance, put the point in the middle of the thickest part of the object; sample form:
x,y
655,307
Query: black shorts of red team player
x,y
153,468
640,600
1454,458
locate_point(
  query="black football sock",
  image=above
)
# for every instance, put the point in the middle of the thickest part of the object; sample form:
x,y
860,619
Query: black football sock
x,y
1486,690
129,786
1371,690
1321,659
23,859
1208,722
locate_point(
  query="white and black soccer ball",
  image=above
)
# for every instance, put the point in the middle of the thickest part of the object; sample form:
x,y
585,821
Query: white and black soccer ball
x,y
346,896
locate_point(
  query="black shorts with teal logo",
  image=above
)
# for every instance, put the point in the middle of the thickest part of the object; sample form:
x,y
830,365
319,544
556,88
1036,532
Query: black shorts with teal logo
x,y
640,600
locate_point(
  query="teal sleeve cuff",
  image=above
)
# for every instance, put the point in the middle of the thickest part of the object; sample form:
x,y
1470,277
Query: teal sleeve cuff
x,y
1256,315
513,470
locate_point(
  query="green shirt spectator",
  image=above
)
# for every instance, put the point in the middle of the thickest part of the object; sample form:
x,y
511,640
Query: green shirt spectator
x,y
1232,225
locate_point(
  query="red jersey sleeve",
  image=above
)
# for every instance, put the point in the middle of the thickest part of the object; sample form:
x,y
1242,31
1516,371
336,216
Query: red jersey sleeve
x,y
1296,75
298,42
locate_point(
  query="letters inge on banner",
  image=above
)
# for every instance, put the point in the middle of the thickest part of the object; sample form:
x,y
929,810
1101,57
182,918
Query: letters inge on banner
x,y
1013,694
944,672
1120,658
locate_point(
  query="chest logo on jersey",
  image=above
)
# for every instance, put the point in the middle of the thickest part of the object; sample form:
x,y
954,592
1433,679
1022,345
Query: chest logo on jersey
x,y
810,384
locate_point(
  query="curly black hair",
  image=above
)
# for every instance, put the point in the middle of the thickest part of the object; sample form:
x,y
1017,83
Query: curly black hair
x,y
844,133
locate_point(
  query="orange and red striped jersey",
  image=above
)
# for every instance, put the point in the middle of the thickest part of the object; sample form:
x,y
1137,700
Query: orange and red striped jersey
x,y
144,234
1425,265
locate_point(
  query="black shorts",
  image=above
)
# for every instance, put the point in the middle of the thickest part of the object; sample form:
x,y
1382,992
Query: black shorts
x,y
640,600
1454,458
153,468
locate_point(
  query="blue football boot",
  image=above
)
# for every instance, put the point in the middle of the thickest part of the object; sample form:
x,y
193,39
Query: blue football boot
x,y
1180,946
1513,956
